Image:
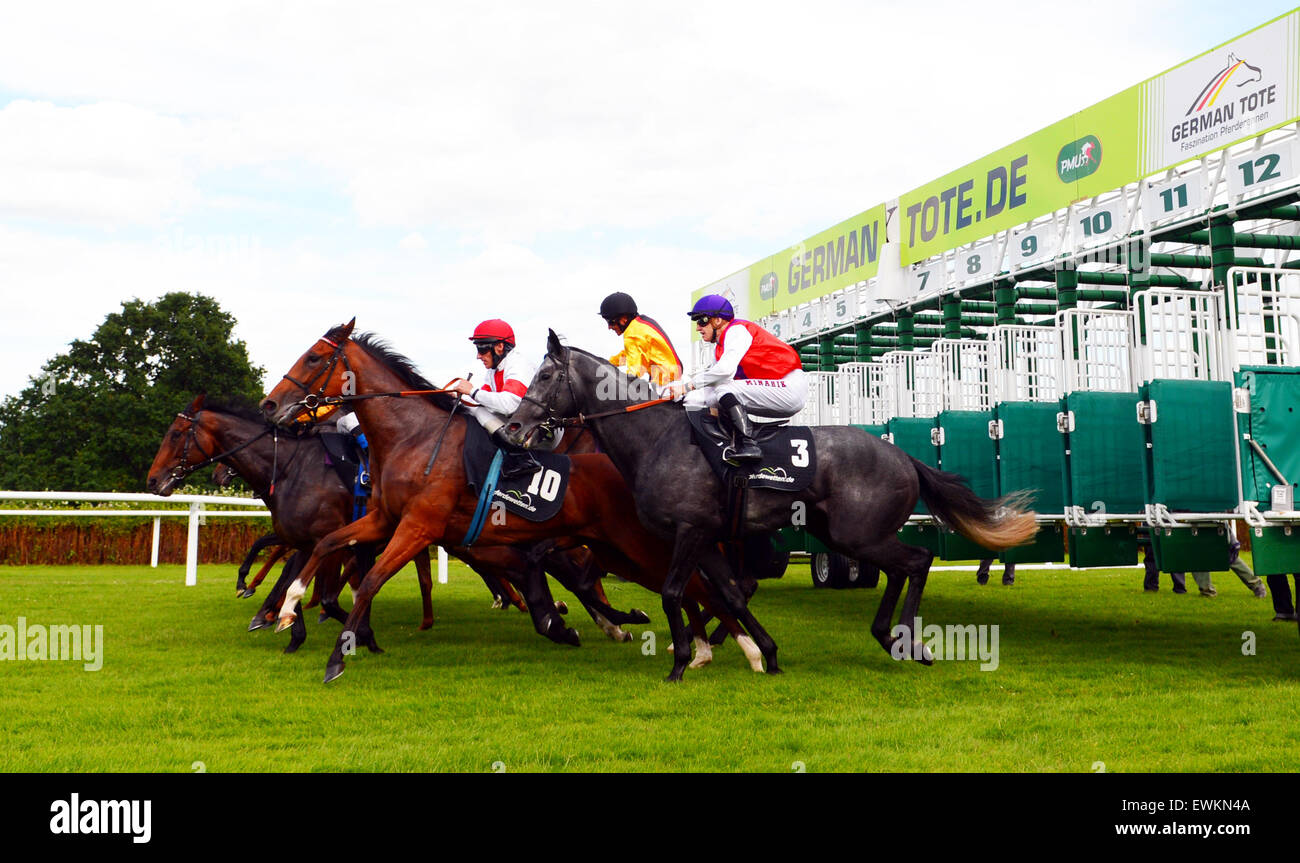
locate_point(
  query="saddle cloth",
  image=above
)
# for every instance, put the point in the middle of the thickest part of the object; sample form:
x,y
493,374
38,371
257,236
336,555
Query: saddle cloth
x,y
531,484
789,460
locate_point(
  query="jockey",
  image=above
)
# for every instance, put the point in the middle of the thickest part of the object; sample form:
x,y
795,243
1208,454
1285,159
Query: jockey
x,y
647,350
753,372
508,378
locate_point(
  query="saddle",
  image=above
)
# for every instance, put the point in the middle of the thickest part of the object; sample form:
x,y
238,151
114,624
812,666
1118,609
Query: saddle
x,y
352,464
530,484
789,459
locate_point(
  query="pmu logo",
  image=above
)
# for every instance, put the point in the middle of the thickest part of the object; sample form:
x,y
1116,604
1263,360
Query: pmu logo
x,y
1239,72
1078,159
767,287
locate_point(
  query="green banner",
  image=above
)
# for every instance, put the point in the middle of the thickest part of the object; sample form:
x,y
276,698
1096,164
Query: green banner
x,y
839,256
1087,153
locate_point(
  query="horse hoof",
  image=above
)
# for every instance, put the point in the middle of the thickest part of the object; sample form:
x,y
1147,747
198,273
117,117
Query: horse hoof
x,y
246,593
561,607
258,622
292,648
425,625
623,637
374,648
324,616
497,603
285,622
638,616
674,676
772,669
332,672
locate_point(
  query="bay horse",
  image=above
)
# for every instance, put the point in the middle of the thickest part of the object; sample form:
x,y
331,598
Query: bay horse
x,y
310,501
306,498
862,491
414,509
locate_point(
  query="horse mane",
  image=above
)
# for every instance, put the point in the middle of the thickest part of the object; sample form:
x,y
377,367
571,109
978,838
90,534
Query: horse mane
x,y
238,406
399,364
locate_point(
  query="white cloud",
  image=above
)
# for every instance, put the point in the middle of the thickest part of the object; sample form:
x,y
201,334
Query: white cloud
x,y
460,138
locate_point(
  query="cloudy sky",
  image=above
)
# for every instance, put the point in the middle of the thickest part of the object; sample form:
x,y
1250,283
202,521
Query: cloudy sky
x,y
424,166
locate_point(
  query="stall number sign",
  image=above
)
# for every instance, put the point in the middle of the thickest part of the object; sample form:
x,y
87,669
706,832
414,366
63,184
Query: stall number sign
x,y
1030,246
1098,224
1255,169
1174,197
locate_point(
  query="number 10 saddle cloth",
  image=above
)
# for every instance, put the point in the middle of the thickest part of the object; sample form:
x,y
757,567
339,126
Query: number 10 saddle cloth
x,y
789,460
530,483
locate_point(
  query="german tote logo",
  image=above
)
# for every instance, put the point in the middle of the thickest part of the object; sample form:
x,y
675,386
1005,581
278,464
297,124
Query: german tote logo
x,y
1239,72
1222,107
1078,159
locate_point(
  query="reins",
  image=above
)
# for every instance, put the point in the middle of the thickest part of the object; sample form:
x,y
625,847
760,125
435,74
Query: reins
x,y
184,468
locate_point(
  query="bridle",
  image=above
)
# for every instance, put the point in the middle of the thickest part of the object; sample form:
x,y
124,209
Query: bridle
x,y
554,421
313,401
183,468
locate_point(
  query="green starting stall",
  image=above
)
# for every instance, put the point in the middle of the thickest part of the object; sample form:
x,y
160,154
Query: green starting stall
x,y
1103,315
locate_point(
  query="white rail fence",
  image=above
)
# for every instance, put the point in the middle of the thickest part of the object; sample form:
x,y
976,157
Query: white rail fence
x,y
196,512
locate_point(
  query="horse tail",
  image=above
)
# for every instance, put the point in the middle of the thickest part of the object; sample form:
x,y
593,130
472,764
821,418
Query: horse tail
x,y
996,524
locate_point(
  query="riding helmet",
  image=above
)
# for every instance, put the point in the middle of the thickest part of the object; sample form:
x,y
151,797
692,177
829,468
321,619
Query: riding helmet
x,y
713,305
495,330
617,305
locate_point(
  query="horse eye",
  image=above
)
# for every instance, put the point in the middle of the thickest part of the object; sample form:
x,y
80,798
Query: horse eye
x,y
312,359
544,376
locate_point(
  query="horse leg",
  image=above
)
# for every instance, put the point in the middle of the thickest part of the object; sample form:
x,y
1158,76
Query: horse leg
x,y
920,572
406,542
276,556
242,590
714,566
297,632
581,573
266,613
371,527
543,608
581,576
330,609
900,563
424,573
496,586
690,544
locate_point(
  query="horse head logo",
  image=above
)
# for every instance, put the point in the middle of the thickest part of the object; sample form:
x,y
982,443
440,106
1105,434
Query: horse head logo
x,y
1237,70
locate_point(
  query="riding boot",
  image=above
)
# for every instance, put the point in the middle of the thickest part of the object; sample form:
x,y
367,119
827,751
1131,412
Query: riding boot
x,y
742,449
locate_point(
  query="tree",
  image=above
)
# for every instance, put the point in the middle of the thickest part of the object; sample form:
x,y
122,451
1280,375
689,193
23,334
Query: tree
x,y
94,417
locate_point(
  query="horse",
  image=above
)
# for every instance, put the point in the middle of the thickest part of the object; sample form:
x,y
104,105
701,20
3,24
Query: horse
x,y
415,507
319,494
306,498
862,491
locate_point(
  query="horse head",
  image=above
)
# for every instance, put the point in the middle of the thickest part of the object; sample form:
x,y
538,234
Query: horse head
x,y
187,444
569,383
323,371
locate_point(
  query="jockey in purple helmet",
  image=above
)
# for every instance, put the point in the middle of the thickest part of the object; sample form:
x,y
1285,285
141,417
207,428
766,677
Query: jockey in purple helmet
x,y
753,372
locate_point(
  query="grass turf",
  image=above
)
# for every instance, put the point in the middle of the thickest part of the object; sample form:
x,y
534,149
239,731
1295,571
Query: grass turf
x,y
1090,669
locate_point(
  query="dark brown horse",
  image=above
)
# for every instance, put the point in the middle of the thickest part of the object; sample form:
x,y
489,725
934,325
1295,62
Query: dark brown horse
x,y
306,498
414,509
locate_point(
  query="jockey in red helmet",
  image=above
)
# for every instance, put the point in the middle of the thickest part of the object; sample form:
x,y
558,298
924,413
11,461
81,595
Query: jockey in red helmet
x,y
508,374
753,372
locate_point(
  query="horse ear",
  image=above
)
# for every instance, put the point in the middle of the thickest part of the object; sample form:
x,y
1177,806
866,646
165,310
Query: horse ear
x,y
197,404
553,346
347,329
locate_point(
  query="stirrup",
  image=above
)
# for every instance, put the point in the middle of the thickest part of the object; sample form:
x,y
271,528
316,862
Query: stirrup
x,y
741,453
